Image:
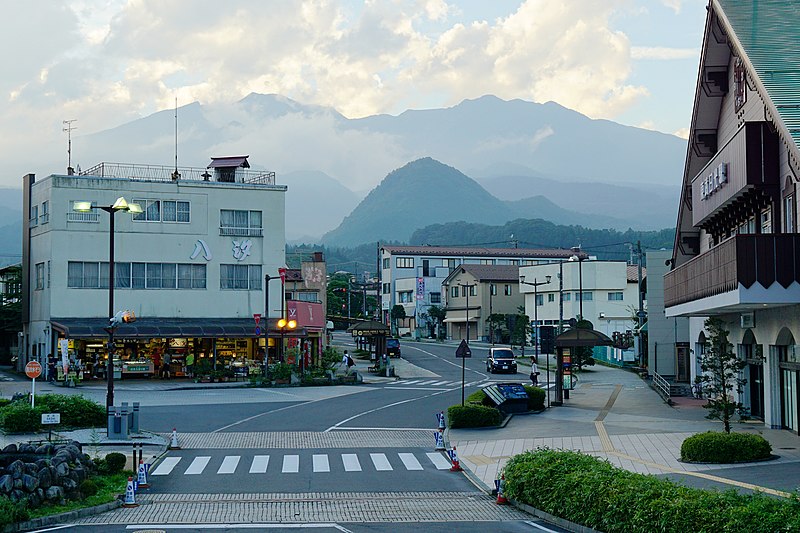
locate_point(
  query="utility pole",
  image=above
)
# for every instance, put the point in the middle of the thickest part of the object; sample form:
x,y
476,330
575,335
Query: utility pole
x,y
68,127
641,314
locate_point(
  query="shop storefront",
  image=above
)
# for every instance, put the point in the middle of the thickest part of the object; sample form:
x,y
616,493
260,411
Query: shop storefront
x,y
167,347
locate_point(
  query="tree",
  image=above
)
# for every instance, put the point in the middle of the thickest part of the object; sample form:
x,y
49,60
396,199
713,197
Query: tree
x,y
582,355
522,329
10,310
721,377
497,322
398,312
437,314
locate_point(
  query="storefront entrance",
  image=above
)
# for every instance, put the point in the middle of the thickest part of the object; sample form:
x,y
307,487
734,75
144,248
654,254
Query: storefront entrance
x,y
756,384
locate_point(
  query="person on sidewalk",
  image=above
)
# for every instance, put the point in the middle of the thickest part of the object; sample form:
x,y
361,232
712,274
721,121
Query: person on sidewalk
x,y
350,364
534,372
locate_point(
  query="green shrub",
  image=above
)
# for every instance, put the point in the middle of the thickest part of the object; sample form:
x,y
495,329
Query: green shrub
x,y
589,491
88,488
535,398
473,416
115,462
19,417
719,447
280,371
4,402
479,398
11,513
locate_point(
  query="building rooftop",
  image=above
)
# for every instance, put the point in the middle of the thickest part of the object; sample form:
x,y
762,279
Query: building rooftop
x,y
493,272
474,251
171,174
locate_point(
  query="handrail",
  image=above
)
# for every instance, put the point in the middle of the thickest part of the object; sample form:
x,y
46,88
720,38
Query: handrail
x,y
661,386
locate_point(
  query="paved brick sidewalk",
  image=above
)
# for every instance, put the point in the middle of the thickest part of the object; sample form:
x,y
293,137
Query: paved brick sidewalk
x,y
615,415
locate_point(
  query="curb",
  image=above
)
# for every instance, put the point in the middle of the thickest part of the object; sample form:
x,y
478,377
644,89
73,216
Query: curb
x,y
538,513
61,518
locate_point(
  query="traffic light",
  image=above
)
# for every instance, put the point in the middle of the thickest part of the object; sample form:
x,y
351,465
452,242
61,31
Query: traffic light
x,y
123,317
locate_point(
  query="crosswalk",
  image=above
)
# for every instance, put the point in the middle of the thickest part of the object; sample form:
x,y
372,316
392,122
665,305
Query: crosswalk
x,y
294,463
430,383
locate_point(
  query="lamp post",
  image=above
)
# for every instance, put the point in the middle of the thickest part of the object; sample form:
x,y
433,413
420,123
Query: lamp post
x,y
536,284
577,257
283,325
466,287
492,288
119,205
267,279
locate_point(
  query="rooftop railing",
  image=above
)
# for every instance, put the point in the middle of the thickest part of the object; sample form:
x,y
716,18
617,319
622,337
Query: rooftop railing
x,y
165,173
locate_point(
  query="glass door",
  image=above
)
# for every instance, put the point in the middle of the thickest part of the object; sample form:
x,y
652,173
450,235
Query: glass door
x,y
789,399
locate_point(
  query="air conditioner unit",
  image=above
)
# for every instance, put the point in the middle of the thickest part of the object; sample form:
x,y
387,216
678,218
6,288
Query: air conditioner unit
x,y
748,320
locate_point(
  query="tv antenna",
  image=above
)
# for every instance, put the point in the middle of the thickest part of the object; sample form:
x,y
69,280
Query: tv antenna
x,y
68,127
176,175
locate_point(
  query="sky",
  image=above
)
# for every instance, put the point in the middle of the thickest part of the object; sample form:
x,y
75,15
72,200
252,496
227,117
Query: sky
x,y
103,63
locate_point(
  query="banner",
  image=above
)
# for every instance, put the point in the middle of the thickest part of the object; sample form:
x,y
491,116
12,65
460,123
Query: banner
x,y
420,288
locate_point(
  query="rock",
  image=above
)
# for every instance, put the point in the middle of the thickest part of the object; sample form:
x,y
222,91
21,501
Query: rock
x,y
6,484
26,448
45,449
44,477
40,494
11,448
69,485
80,473
30,483
42,463
54,493
16,495
18,483
62,470
58,459
30,469
16,469
74,451
34,500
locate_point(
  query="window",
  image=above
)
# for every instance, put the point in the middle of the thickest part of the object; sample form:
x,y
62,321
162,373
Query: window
x,y
240,277
151,210
766,221
551,298
493,289
436,297
191,276
44,218
387,288
92,275
487,261
386,263
473,290
587,296
48,274
513,261
306,297
567,297
404,297
528,262
788,214
615,296
175,211
404,262
34,215
39,276
233,222
450,263
539,300
507,290
454,291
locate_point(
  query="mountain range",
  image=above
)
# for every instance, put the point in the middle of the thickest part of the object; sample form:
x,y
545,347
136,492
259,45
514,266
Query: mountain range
x,y
543,158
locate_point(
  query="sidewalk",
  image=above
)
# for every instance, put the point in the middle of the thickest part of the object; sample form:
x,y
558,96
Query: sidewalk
x,y
613,414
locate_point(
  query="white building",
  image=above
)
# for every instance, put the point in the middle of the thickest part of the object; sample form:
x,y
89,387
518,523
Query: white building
x,y
610,297
412,276
191,266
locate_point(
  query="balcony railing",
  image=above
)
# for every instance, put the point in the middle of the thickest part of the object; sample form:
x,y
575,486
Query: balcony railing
x,y
241,232
164,173
83,217
743,259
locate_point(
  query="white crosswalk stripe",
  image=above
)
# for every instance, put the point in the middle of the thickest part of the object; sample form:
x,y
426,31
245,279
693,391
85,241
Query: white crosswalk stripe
x,y
198,465
259,465
291,463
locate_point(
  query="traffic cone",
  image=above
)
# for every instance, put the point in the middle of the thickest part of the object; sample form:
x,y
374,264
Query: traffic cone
x,y
439,440
142,481
173,443
130,497
501,497
456,465
441,421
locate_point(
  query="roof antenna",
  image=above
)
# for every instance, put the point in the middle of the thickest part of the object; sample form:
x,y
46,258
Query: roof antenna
x,y
68,127
176,175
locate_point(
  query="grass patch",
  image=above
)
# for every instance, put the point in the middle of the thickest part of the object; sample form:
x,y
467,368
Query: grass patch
x,y
108,488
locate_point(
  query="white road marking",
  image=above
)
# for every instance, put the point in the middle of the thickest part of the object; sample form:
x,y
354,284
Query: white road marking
x,y
197,466
438,460
166,466
321,463
229,464
350,461
291,464
380,461
259,465
410,461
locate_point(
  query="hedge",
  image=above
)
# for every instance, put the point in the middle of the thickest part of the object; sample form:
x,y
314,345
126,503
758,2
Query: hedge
x,y
480,398
535,398
76,412
720,447
473,416
592,492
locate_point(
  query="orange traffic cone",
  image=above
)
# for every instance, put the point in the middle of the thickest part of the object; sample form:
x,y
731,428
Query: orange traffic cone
x,y
456,465
501,497
130,498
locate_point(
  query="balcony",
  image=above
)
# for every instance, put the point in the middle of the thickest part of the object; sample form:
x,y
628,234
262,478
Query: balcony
x,y
228,231
740,273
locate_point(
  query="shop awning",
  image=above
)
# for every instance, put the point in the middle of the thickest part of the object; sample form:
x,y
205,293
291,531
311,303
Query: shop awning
x,y
175,328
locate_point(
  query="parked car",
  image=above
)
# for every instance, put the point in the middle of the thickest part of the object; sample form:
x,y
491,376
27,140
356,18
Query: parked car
x,y
393,347
501,360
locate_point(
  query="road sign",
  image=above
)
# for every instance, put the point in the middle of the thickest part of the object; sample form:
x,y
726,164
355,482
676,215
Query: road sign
x,y
33,369
463,350
258,331
51,418
257,318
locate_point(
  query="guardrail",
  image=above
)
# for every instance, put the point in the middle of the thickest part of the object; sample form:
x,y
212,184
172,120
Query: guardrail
x,y
661,386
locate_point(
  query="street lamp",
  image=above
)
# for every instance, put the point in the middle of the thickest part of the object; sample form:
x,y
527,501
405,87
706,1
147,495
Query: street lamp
x,y
536,284
120,205
283,325
577,257
267,279
466,287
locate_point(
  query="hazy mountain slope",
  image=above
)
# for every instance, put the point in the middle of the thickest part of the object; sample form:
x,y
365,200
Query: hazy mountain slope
x,y
315,202
541,207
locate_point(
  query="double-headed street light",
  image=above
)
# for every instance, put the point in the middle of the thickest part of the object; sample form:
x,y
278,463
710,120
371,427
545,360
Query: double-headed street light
x,y
536,284
285,325
120,205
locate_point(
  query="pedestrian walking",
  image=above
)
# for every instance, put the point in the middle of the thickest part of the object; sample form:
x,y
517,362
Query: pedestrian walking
x,y
350,363
534,373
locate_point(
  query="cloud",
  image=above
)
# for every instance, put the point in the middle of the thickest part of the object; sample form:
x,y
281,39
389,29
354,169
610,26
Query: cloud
x,y
674,5
662,52
683,133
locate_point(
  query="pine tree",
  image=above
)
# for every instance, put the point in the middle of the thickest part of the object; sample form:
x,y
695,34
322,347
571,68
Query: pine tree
x,y
721,380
